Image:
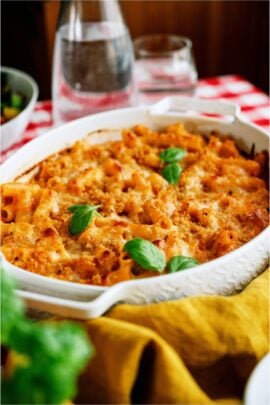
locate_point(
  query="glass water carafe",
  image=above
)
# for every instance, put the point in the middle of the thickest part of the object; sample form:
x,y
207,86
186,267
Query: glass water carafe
x,y
93,60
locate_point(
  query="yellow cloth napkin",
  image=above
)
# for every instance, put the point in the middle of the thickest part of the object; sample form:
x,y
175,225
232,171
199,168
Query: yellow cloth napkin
x,y
197,350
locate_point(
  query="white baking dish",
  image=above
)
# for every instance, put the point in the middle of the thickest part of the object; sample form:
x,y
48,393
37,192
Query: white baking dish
x,y
223,276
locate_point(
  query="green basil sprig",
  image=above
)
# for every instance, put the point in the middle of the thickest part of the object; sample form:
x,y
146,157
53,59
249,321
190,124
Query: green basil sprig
x,y
172,172
172,155
83,214
146,254
149,257
178,263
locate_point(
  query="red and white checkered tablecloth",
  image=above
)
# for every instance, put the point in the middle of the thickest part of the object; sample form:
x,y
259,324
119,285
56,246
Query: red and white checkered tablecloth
x,y
253,102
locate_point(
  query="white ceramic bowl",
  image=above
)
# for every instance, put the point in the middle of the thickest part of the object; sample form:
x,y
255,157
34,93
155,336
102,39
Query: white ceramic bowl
x,y
257,391
224,275
21,82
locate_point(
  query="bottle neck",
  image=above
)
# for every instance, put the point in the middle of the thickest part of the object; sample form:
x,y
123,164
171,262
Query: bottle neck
x,y
75,12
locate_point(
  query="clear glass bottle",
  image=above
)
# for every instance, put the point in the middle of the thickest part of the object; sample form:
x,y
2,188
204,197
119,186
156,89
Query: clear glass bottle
x,y
93,67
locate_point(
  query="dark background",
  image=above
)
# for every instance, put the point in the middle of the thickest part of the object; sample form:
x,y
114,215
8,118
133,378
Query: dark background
x,y
228,36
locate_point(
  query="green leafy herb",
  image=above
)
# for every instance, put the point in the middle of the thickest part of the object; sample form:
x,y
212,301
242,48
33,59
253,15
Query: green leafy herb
x,y
46,357
81,218
178,263
172,172
12,308
172,155
146,254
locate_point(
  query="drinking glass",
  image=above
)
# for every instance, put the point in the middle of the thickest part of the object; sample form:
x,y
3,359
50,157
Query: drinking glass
x,y
93,60
165,63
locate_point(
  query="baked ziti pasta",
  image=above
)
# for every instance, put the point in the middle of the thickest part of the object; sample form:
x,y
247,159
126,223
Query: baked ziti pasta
x,y
189,195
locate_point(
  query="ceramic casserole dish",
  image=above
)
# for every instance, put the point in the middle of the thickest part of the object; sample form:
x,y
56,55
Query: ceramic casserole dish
x,y
224,275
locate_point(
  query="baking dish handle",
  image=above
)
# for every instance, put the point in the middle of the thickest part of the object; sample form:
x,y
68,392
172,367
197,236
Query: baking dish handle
x,y
76,309
172,104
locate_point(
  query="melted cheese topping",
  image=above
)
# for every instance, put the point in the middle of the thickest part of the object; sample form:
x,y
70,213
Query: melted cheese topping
x,y
219,203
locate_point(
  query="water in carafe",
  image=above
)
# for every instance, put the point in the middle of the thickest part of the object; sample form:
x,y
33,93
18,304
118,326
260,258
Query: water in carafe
x,y
93,66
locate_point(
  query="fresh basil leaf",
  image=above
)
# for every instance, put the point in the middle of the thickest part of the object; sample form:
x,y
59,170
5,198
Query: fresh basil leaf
x,y
178,263
146,254
172,155
81,218
172,172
